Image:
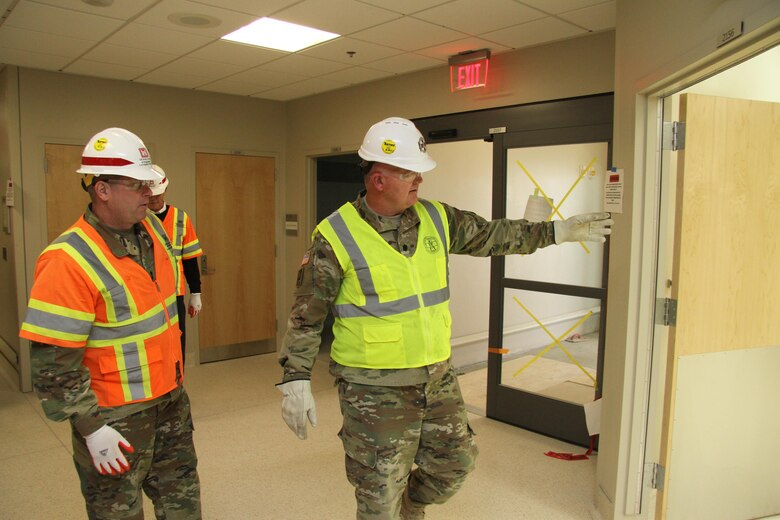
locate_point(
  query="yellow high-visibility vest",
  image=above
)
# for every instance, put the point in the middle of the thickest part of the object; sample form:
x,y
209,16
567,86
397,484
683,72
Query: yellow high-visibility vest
x,y
391,311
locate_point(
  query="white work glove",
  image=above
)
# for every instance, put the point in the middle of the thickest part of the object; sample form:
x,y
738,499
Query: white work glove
x,y
297,405
588,227
195,305
104,446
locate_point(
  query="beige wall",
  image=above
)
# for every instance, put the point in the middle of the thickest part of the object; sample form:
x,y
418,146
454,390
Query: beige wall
x,y
657,44
174,123
9,326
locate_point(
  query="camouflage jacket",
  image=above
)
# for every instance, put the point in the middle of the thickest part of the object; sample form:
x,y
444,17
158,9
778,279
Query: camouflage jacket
x,y
320,277
59,378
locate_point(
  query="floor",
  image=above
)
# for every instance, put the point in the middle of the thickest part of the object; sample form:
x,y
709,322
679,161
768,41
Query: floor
x,y
253,467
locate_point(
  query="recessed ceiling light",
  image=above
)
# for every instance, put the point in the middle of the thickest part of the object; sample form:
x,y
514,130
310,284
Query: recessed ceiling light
x,y
195,21
282,36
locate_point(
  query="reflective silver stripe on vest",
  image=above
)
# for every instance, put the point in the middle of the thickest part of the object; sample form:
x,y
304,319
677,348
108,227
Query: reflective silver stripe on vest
x,y
118,297
178,241
190,249
50,321
103,333
373,307
135,376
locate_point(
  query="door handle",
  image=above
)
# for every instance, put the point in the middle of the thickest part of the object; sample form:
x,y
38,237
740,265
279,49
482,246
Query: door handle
x,y
204,266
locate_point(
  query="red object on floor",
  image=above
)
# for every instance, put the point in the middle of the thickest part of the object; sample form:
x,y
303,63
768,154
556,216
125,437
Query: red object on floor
x,y
573,456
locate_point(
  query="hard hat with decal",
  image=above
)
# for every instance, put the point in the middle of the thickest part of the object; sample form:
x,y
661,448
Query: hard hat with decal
x,y
116,151
159,186
396,141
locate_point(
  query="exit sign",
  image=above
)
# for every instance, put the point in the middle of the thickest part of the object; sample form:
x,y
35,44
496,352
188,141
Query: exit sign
x,y
469,70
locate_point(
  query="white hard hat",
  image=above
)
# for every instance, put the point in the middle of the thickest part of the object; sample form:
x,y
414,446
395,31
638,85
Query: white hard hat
x,y
116,151
159,186
396,141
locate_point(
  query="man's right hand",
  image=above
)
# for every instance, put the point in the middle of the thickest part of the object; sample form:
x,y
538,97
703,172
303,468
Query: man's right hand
x,y
297,405
104,446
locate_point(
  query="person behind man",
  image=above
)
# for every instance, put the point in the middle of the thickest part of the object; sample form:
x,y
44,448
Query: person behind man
x,y
380,264
186,249
105,342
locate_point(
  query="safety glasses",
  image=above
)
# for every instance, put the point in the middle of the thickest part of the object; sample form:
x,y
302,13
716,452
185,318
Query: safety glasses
x,y
131,184
405,175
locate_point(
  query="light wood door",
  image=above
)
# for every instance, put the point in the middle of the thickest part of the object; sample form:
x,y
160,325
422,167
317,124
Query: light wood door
x,y
66,200
720,435
236,230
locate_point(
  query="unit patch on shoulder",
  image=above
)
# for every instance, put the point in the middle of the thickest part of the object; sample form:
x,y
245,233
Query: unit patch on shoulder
x,y
305,259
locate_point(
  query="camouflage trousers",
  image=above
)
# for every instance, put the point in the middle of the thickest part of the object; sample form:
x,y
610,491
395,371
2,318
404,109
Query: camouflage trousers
x,y
164,465
405,445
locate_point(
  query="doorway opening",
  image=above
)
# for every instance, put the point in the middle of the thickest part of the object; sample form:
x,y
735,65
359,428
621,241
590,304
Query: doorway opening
x,y
338,180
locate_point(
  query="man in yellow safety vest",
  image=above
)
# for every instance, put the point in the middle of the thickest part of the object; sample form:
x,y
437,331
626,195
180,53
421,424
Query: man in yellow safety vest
x,y
380,265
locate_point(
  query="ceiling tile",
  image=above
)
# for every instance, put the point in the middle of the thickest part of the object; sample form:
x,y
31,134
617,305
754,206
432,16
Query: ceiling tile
x,y
237,53
304,65
560,6
404,63
63,22
120,10
471,16
406,6
170,79
337,50
597,18
303,88
416,34
120,55
534,33
208,71
237,88
443,52
253,7
267,78
161,14
355,75
41,42
34,60
151,38
105,70
338,16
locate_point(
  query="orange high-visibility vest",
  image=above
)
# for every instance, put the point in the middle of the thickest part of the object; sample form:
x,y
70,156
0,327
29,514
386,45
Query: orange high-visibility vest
x,y
185,242
83,296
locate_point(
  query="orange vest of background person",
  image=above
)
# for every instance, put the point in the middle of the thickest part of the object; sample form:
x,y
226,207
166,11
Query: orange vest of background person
x,y
185,242
83,296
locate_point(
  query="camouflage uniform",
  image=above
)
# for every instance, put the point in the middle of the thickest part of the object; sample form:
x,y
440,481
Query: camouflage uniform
x,y
397,418
164,463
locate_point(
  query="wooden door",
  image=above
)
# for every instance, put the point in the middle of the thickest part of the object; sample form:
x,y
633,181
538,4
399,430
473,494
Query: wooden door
x,y
235,201
721,428
66,200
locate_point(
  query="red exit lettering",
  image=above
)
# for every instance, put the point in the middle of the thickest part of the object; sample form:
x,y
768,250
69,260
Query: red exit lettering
x,y
468,75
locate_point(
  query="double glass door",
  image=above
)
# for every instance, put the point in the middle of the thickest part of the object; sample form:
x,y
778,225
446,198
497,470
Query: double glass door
x,y
547,309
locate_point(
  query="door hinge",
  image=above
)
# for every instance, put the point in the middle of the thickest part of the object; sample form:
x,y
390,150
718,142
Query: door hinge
x,y
666,311
657,481
673,136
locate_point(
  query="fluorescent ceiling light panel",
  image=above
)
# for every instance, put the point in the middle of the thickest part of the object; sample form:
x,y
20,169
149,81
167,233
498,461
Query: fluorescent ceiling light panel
x,y
282,36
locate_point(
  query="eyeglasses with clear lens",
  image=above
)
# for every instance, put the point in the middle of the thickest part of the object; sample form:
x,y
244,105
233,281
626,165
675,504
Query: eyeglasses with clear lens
x,y
405,175
132,185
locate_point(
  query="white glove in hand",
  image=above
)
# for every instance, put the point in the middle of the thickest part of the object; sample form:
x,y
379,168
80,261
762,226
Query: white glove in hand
x,y
195,305
104,446
297,405
588,227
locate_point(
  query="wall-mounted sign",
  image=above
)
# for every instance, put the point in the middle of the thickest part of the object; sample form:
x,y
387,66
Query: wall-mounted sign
x,y
469,69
